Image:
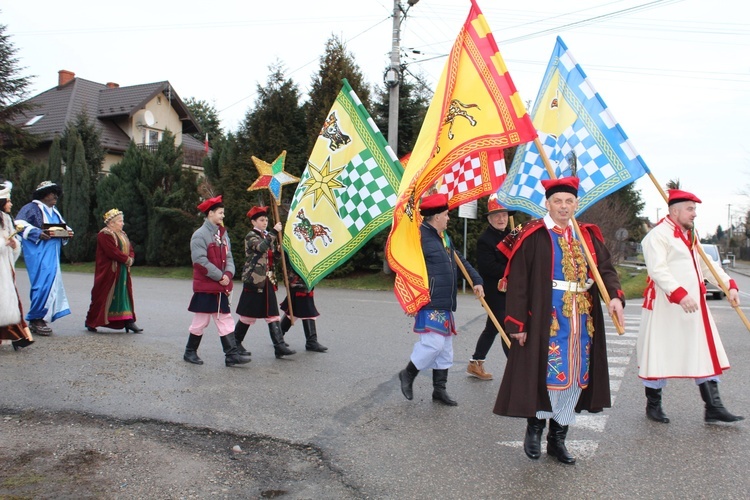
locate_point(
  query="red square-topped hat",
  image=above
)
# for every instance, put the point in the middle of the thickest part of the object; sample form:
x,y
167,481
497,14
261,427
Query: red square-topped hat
x,y
434,204
561,185
208,204
256,212
678,195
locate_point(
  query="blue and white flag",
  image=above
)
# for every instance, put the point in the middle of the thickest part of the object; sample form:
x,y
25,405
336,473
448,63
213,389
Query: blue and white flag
x,y
580,136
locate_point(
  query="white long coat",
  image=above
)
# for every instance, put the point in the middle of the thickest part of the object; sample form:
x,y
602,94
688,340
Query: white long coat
x,y
671,342
9,312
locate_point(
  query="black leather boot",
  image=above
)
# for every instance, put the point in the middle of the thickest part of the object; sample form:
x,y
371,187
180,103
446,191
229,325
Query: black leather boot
x,y
715,411
240,330
439,381
130,326
311,336
286,324
232,355
556,442
407,376
532,443
191,350
274,329
654,410
21,343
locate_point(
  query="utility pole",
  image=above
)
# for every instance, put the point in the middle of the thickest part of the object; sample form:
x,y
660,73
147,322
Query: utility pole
x,y
392,76
729,224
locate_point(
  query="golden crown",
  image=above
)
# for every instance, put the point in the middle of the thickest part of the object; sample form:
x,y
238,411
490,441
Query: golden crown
x,y
111,215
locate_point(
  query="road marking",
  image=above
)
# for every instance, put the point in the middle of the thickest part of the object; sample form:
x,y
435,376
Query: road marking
x,y
618,360
617,371
579,448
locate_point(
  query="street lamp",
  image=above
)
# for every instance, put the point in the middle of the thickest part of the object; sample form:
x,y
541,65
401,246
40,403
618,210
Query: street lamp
x,y
392,77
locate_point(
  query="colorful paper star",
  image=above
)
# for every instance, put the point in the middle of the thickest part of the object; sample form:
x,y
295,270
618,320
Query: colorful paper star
x,y
272,176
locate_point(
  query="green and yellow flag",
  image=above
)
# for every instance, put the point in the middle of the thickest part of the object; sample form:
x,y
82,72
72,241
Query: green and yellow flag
x,y
347,193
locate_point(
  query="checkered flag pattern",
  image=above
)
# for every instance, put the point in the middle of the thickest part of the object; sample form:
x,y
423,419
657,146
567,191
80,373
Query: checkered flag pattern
x,y
605,159
367,193
299,193
464,175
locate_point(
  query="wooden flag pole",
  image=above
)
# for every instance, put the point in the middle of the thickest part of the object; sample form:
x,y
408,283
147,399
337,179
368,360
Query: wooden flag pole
x,y
283,265
707,261
589,258
484,302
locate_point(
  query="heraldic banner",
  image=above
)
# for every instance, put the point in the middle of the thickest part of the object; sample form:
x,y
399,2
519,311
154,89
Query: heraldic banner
x,y
475,113
346,194
580,136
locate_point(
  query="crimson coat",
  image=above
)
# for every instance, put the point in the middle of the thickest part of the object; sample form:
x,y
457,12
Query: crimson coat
x,y
108,256
523,390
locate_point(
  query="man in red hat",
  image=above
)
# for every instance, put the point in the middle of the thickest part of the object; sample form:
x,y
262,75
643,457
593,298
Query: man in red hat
x,y
213,269
678,337
258,299
491,264
434,322
557,364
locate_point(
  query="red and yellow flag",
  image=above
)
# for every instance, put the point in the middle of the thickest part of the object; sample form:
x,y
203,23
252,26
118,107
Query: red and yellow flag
x,y
475,112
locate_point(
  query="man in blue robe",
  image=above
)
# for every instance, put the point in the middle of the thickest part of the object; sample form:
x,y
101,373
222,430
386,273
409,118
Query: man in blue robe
x,y
44,234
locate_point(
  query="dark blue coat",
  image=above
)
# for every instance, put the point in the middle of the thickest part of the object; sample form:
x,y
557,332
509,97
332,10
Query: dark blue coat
x,y
442,271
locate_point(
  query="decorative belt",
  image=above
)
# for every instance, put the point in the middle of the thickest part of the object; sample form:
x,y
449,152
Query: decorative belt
x,y
572,286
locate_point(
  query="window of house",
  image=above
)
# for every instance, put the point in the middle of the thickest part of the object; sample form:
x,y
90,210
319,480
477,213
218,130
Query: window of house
x,y
153,137
33,121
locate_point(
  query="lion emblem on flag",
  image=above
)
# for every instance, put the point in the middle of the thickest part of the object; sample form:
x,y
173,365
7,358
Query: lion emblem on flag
x,y
308,232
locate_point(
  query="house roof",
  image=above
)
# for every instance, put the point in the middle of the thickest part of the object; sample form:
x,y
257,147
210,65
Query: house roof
x,y
62,104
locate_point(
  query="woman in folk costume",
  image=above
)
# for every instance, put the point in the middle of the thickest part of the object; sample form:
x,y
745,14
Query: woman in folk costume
x,y
258,299
213,269
112,303
678,337
303,307
12,325
41,253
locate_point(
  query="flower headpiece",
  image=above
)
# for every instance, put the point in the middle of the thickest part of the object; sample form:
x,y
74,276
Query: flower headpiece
x,y
111,215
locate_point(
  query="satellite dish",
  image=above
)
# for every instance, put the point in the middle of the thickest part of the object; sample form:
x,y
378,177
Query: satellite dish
x,y
621,234
148,117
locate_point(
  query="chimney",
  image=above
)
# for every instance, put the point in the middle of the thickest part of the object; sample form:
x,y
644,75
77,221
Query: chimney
x,y
65,77
112,85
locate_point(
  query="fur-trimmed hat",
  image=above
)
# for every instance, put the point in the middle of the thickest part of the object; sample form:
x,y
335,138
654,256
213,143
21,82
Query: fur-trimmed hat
x,y
5,189
210,204
256,212
433,204
46,187
561,185
678,195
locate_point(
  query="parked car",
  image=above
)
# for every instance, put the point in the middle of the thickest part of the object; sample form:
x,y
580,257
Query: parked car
x,y
712,252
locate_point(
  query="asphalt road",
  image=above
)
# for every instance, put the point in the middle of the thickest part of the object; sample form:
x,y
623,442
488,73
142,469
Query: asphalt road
x,y
348,404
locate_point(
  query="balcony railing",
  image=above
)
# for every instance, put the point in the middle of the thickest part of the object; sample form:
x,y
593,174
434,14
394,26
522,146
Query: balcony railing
x,y
192,157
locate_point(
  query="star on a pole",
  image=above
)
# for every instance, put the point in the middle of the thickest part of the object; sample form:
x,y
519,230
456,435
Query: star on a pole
x,y
271,176
322,182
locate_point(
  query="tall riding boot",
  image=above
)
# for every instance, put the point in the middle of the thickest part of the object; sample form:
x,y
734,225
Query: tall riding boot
x,y
715,411
654,410
191,350
286,324
407,376
532,443
240,330
274,329
439,381
311,336
232,355
556,442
